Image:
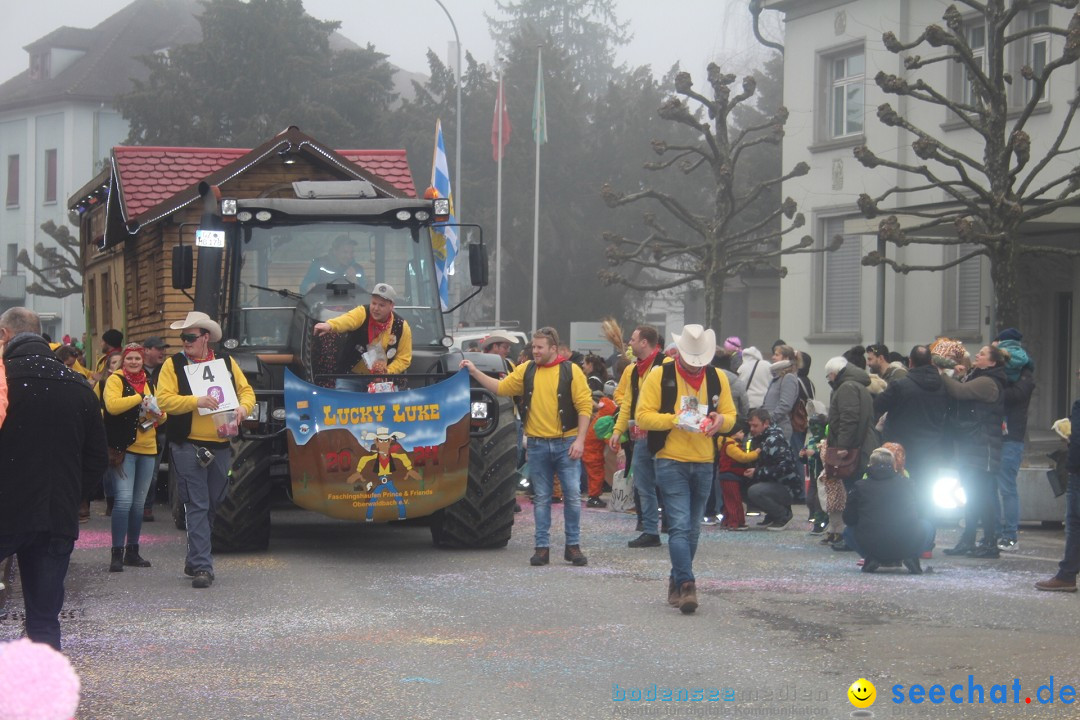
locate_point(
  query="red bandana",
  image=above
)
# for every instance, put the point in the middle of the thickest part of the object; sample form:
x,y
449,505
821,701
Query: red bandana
x,y
644,364
376,328
558,359
693,381
136,380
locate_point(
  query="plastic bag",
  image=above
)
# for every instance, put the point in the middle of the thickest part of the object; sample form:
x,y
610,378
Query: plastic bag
x,y
622,492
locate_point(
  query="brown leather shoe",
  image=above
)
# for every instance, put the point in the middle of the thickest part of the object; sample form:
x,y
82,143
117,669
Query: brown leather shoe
x,y
573,554
687,597
1056,585
541,556
673,593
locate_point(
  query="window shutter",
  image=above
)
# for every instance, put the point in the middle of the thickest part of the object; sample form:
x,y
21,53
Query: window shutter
x,y
843,282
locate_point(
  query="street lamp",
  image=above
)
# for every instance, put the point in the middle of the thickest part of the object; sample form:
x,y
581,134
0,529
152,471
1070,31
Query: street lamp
x,y
457,124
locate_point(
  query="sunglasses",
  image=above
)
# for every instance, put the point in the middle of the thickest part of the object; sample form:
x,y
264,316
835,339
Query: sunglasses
x,y
191,337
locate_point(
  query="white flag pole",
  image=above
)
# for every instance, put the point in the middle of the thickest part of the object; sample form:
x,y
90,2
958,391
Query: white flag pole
x,y
498,210
537,134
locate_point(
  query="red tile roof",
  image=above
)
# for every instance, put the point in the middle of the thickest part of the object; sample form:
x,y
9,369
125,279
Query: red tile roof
x,y
150,175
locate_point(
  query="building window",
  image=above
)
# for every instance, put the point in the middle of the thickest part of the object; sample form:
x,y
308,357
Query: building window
x,y
12,258
13,181
976,40
842,282
847,74
40,65
1037,51
963,285
50,176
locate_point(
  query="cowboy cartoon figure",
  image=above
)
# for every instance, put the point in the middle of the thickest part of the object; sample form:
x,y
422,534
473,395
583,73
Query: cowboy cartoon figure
x,y
384,461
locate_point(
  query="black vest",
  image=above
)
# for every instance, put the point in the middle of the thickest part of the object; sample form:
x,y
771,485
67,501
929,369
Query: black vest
x,y
179,426
121,430
669,389
356,342
567,412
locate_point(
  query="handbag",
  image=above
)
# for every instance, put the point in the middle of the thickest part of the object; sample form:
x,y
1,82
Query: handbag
x,y
116,457
839,467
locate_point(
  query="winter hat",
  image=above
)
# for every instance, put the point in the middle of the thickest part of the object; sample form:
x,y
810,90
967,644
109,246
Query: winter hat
x,y
1009,334
899,456
733,344
949,352
835,365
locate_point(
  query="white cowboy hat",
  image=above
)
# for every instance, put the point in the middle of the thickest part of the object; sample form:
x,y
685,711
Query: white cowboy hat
x,y
199,320
383,434
385,290
496,338
697,346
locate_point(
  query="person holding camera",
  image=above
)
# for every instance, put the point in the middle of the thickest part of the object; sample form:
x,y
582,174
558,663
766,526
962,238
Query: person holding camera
x,y
131,418
199,452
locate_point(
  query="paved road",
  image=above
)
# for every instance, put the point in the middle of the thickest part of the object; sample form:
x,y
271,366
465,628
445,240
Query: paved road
x,y
352,621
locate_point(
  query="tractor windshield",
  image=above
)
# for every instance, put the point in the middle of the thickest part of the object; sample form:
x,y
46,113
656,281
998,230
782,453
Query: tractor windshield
x,y
303,258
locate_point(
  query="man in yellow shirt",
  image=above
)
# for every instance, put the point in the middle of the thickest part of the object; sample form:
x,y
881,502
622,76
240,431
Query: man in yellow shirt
x,y
556,410
645,344
684,405
377,327
199,456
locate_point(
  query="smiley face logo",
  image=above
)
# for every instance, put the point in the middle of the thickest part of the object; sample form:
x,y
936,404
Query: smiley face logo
x,y
862,693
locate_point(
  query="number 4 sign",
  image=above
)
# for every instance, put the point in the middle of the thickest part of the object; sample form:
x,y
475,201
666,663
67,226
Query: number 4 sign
x,y
211,378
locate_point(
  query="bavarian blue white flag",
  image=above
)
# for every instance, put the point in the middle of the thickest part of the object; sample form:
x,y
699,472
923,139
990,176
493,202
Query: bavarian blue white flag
x,y
444,239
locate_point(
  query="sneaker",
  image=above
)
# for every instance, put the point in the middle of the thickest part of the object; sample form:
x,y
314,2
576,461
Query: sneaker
x,y
688,598
645,540
913,566
870,566
1008,544
595,502
541,556
574,555
1056,585
709,520
986,552
202,579
765,520
778,524
744,526
841,546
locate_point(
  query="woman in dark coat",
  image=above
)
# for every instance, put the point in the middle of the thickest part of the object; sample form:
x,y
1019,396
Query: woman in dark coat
x,y
974,419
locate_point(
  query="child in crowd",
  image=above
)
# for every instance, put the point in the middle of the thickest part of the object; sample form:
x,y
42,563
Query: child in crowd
x,y
817,424
732,459
603,407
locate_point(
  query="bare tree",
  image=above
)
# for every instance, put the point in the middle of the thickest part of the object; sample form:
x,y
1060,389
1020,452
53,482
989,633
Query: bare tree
x,y
58,274
993,194
742,225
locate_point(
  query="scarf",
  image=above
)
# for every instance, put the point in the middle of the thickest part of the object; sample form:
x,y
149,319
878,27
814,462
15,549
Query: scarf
x,y
558,359
693,381
136,380
376,328
208,358
644,364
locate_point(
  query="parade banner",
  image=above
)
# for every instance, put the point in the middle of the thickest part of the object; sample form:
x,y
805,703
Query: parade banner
x,y
377,457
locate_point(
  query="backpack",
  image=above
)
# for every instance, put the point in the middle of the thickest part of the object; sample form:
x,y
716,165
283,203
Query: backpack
x,y
800,420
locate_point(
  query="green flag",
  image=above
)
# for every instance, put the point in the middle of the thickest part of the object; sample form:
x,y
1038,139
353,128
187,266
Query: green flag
x,y
539,118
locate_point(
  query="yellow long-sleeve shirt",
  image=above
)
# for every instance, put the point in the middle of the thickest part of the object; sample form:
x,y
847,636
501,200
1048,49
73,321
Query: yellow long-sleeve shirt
x,y
543,420
116,403
623,393
202,426
734,450
683,445
355,318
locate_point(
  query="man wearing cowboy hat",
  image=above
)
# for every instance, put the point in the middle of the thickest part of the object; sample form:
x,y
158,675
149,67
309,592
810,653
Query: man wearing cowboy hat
x,y
684,405
200,457
497,344
384,468
370,326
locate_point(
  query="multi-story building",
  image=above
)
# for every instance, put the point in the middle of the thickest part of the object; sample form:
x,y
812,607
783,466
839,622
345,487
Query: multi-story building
x,y
58,124
830,302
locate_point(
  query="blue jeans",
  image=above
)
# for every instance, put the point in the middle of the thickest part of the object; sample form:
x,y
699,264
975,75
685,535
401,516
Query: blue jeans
x,y
130,482
201,490
43,564
685,487
548,457
1012,453
1070,563
643,468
